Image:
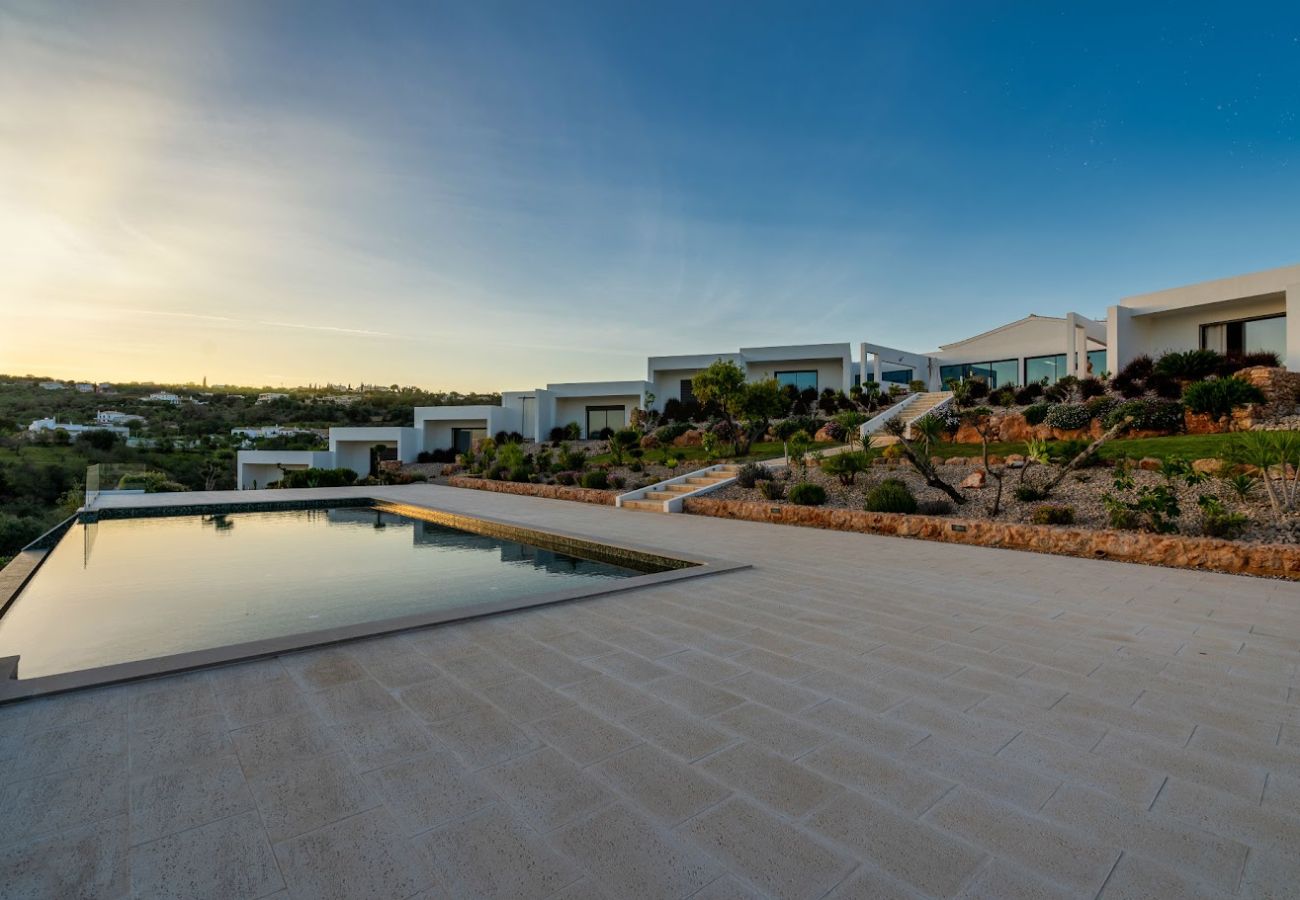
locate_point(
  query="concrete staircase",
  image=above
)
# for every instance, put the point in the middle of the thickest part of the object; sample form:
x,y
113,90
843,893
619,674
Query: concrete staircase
x,y
919,406
667,496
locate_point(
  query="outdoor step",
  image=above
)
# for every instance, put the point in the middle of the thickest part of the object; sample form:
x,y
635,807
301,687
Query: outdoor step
x,y
644,505
700,479
679,488
659,495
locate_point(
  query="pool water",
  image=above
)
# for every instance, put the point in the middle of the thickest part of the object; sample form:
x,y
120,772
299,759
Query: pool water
x,y
122,590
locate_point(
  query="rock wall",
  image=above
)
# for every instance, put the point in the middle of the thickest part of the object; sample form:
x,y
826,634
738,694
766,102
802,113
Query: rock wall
x,y
1281,389
549,491
1177,551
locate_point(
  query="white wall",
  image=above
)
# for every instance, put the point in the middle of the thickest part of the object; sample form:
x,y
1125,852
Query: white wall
x,y
263,466
831,373
574,409
1134,332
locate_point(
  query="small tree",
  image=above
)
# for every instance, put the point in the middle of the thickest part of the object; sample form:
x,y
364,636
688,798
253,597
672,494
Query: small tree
x,y
797,446
919,454
761,402
722,383
850,421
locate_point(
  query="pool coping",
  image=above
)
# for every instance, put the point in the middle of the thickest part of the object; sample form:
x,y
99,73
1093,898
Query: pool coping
x,y
27,563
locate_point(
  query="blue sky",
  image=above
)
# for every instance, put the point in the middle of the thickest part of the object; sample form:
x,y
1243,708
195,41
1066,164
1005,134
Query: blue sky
x,y
496,195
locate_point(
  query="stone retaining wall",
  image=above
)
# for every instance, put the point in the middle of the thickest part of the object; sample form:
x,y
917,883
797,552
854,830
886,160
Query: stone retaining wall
x,y
1177,551
549,491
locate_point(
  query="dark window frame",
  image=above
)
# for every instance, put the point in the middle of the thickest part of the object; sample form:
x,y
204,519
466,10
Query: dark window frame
x,y
605,409
686,390
1241,322
1024,372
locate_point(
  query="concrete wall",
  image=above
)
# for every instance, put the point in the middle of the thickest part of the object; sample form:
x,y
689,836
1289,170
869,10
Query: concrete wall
x,y
668,383
574,409
831,373
1133,331
264,466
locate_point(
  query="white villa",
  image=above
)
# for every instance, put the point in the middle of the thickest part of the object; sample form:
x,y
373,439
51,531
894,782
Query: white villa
x,y
163,397
1247,313
113,417
52,424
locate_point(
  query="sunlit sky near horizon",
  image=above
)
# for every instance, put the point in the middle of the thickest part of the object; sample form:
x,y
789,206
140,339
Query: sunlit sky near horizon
x,y
482,195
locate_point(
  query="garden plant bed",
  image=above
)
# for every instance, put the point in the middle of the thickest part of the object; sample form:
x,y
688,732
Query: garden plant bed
x,y
1081,490
1178,551
549,491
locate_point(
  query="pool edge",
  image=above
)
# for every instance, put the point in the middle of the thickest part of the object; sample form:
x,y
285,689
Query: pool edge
x,y
683,568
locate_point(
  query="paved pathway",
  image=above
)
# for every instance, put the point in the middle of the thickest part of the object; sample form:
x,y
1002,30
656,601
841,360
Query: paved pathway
x,y
855,716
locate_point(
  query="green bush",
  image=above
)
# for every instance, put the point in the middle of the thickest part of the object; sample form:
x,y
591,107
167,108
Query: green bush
x,y
1034,415
310,478
668,433
1029,393
772,490
1053,515
1027,493
566,478
1069,416
1188,365
1217,521
891,496
596,479
805,493
1100,406
933,507
1220,396
846,466
1148,415
752,473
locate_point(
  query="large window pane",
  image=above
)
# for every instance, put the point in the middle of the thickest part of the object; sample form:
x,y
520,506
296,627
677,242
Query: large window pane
x,y
897,376
1096,362
801,380
1266,336
602,418
996,373
1051,368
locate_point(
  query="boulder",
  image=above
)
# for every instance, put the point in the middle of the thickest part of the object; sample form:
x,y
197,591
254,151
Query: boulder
x,y
974,480
1012,427
1149,463
967,434
957,460
995,460
1208,466
936,460
1015,461
1204,423
823,434
692,438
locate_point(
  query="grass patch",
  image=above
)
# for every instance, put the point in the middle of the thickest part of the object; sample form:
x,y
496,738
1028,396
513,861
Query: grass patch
x,y
1188,446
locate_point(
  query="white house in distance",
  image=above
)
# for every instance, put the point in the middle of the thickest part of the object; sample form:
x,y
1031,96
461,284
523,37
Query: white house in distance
x,y
51,424
1259,311
270,396
113,417
163,397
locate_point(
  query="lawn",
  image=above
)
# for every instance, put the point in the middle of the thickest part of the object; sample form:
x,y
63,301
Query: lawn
x,y
1188,446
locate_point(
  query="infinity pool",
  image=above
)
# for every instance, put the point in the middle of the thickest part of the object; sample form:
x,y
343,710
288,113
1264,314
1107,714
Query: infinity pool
x,y
123,590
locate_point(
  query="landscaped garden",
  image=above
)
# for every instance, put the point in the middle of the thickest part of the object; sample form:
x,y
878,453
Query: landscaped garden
x,y
1092,453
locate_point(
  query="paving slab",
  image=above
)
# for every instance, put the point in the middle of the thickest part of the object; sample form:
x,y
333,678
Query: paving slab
x,y
852,716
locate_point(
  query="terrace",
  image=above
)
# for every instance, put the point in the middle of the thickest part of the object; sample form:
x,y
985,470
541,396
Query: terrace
x,y
849,716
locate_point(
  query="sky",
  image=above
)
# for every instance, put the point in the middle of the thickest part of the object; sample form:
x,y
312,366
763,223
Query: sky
x,y
485,195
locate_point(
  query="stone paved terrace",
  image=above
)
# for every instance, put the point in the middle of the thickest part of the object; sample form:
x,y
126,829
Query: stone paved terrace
x,y
855,716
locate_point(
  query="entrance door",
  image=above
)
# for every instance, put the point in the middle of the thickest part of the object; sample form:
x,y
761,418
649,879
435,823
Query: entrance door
x,y
462,439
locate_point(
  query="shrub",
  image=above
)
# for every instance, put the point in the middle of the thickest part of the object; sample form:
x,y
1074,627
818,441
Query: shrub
x,y
1217,521
617,482
846,466
805,493
1003,396
1052,514
1258,358
558,434
1220,396
520,473
1069,416
1139,368
1029,393
1027,493
1148,415
1064,451
666,434
771,490
1034,415
976,389
1091,387
1188,365
306,478
916,386
498,472
933,507
566,478
1099,406
595,479
891,496
752,473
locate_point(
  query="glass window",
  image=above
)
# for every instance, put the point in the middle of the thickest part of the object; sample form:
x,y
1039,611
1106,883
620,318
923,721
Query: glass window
x,y
801,381
1267,335
1096,362
996,374
600,418
1039,367
462,439
897,376
687,392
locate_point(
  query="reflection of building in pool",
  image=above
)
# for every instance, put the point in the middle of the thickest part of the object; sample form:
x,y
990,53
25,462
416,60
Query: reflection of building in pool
x,y
431,534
